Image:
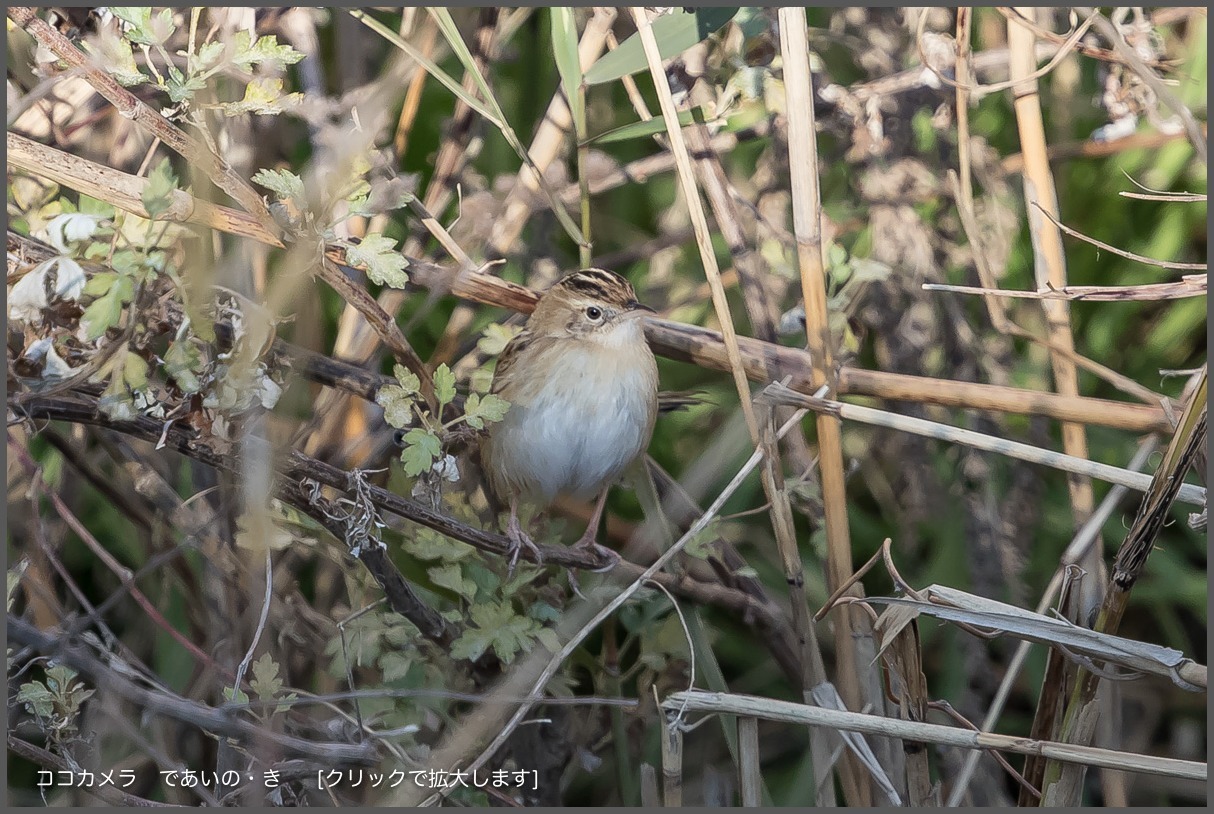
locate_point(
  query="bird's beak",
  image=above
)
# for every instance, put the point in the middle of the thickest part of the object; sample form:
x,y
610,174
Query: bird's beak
x,y
633,305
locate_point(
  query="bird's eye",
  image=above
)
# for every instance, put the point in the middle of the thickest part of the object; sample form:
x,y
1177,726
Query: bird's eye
x,y
594,312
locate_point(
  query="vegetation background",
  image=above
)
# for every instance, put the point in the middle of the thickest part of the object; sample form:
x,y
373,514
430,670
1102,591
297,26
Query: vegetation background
x,y
192,377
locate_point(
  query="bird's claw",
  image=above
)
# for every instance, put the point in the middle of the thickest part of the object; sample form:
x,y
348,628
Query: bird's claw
x,y
519,539
599,551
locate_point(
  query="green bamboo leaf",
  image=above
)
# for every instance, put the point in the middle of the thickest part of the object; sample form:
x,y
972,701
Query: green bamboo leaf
x,y
564,49
675,33
648,127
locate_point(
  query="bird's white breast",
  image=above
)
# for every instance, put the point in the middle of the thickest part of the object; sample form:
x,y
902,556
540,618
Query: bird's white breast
x,y
580,427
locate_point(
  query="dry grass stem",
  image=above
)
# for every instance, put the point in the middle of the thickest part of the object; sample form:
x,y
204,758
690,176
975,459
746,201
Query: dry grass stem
x,y
1188,493
773,710
1191,285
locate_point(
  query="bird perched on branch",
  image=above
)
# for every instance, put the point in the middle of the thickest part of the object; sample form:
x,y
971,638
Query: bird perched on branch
x,y
583,390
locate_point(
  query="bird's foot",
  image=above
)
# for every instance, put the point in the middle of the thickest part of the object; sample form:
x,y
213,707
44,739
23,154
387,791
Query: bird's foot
x,y
588,544
520,539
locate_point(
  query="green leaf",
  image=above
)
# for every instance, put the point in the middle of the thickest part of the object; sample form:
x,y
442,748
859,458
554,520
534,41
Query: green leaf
x,y
262,96
158,194
37,698
182,361
407,378
282,183
451,577
265,681
426,544
208,56
143,30
398,405
495,338
266,51
384,264
565,50
181,87
649,127
236,696
479,410
471,644
675,33
548,638
395,665
496,625
421,448
119,60
444,385
101,315
135,371
100,283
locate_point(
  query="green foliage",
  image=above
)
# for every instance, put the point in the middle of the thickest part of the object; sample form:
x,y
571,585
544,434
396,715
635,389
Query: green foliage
x,y
267,685
282,183
495,626
162,183
55,702
422,448
378,254
479,410
675,33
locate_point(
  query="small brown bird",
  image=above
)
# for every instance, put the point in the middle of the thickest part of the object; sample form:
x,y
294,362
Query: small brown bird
x,y
583,390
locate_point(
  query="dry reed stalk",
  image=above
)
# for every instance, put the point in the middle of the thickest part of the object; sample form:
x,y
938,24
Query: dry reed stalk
x,y
1191,285
965,24
807,224
1041,203
672,763
691,196
813,668
1014,163
1063,785
1071,754
413,96
750,778
1049,263
125,191
906,662
1189,493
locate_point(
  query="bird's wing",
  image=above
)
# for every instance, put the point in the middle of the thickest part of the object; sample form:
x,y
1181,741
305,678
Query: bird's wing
x,y
506,359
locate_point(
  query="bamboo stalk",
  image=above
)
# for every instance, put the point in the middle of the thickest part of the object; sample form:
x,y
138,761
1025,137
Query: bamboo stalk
x,y
813,668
